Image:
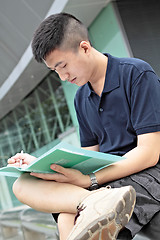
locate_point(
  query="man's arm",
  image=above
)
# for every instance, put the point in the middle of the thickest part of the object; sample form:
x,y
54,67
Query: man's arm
x,y
92,148
145,155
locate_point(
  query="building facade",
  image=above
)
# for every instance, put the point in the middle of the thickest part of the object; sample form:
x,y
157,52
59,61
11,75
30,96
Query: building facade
x,y
36,108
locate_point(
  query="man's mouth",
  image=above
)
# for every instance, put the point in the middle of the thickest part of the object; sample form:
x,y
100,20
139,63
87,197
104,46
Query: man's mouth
x,y
73,80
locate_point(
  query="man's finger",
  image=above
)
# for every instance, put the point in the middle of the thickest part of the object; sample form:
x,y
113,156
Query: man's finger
x,y
59,169
11,160
13,165
46,176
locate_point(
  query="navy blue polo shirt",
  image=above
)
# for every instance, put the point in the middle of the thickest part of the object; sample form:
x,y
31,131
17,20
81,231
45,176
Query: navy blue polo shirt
x,y
128,106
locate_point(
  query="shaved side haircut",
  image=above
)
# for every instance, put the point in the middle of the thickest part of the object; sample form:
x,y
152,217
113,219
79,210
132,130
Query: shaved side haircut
x,y
58,31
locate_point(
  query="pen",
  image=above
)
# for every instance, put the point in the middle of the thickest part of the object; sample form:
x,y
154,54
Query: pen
x,y
21,160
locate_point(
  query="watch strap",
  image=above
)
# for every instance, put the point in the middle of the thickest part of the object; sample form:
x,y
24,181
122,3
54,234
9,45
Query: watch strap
x,y
94,183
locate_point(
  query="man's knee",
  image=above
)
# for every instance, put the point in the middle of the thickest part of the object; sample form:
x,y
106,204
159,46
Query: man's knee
x,y
18,186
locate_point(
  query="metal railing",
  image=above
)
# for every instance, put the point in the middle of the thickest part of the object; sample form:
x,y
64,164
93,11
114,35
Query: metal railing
x,y
26,223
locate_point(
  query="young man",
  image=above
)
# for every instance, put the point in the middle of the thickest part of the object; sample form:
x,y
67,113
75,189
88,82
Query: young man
x,y
118,109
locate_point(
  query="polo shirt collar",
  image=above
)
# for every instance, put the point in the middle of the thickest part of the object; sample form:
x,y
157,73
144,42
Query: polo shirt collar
x,y
111,79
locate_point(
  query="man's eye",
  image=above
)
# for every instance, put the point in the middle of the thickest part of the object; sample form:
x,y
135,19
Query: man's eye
x,y
64,66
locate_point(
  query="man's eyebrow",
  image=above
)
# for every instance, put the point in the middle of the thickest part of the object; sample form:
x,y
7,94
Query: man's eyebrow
x,y
57,64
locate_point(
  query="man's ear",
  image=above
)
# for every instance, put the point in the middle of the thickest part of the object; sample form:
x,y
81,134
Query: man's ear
x,y
85,46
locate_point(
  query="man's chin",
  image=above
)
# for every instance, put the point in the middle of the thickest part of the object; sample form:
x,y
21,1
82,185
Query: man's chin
x,y
80,84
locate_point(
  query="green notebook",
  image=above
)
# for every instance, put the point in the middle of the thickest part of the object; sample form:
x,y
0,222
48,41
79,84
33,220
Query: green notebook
x,y
67,156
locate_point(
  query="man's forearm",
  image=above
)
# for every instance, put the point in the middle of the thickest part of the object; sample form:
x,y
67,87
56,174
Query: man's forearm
x,y
136,160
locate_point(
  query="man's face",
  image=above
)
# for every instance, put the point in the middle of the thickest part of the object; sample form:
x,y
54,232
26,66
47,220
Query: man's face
x,y
74,67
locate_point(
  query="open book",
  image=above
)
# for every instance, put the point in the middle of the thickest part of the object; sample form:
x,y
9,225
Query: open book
x,y
67,156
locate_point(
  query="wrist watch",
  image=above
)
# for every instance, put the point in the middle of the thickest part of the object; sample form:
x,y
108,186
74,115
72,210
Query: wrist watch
x,y
94,183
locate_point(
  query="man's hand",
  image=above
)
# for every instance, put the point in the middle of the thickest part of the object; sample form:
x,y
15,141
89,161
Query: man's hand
x,y
65,175
25,157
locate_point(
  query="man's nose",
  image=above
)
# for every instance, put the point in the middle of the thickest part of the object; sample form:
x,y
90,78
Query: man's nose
x,y
63,76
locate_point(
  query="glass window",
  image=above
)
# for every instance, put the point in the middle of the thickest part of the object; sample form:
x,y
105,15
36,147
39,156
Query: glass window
x,y
36,121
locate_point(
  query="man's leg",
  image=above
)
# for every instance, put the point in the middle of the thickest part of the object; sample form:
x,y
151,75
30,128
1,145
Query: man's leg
x,y
99,214
65,224
48,196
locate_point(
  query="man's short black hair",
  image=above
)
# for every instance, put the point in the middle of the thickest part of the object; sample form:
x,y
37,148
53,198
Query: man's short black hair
x,y
61,30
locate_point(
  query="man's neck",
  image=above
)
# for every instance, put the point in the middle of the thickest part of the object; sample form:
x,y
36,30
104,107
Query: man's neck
x,y
97,82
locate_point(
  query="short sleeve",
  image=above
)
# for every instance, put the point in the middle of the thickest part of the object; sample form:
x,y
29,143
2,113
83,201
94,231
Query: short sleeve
x,y
87,137
145,103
